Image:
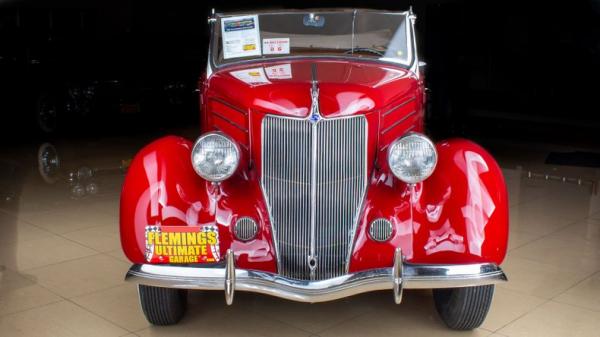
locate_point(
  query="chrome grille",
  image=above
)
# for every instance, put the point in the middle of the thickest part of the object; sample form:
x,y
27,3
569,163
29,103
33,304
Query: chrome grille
x,y
314,178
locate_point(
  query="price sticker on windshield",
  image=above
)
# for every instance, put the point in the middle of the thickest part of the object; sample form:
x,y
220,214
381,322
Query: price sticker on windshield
x,y
279,72
276,46
241,36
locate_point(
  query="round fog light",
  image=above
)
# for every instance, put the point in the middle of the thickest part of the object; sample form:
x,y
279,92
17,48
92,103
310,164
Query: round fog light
x,y
380,230
245,229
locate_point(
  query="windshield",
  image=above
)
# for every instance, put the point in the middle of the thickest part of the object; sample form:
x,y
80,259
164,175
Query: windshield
x,y
341,33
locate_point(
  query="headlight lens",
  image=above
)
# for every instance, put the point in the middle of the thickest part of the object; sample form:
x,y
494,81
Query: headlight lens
x,y
215,157
412,158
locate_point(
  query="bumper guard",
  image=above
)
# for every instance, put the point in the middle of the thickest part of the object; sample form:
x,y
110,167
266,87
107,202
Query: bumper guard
x,y
225,277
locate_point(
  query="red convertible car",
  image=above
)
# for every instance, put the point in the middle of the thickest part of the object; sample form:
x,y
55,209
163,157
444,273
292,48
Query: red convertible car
x,y
312,179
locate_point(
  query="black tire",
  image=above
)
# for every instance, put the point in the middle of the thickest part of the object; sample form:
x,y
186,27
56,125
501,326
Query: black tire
x,y
162,306
463,308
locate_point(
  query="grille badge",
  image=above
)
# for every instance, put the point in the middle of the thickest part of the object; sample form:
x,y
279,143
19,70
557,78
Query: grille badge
x,y
315,117
312,266
315,114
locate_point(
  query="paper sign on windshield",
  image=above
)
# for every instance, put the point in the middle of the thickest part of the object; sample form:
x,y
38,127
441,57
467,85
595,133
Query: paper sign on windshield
x,y
276,46
254,76
279,72
241,36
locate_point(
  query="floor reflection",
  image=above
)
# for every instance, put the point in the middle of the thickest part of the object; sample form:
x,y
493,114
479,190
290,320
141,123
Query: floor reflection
x,y
62,266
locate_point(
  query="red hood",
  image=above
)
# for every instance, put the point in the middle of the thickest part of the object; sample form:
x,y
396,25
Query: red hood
x,y
345,88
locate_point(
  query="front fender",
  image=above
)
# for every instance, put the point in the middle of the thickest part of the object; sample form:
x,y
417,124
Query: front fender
x,y
458,215
162,189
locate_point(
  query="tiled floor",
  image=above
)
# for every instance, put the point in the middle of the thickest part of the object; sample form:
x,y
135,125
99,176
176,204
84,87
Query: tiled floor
x,y
62,270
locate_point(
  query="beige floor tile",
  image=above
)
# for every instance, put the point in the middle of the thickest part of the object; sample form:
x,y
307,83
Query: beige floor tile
x,y
588,230
108,206
522,190
81,276
118,254
100,238
525,220
539,279
507,306
517,238
310,317
571,203
15,230
585,294
69,219
555,319
205,317
563,253
18,293
119,305
62,319
41,252
39,197
415,317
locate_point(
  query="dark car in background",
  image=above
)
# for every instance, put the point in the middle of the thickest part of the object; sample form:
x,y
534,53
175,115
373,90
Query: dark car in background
x,y
74,70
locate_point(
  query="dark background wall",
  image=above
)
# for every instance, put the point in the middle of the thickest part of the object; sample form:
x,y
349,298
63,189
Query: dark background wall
x,y
496,69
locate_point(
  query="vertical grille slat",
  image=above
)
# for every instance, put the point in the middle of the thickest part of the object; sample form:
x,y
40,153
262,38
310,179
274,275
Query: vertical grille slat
x,y
339,165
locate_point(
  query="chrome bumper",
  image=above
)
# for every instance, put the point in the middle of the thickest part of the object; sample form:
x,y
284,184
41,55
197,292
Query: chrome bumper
x,y
401,275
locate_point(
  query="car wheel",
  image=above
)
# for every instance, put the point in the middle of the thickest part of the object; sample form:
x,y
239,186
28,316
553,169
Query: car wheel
x,y
463,308
162,306
48,163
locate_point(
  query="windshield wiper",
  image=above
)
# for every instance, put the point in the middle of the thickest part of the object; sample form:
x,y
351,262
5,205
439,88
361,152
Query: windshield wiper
x,y
364,50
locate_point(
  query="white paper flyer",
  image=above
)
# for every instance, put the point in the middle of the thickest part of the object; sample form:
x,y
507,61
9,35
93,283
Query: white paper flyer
x,y
279,72
241,36
254,76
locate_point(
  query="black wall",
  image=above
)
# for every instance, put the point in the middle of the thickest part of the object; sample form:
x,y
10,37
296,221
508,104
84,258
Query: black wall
x,y
521,70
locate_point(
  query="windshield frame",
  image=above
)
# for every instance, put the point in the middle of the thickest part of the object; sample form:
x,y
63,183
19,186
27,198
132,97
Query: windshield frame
x,y
212,50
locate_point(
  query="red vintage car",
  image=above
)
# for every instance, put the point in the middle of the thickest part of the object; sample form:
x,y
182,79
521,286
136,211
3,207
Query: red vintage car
x,y
313,179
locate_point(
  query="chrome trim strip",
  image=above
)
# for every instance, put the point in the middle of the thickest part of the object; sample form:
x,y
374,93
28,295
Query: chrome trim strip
x,y
229,105
398,106
414,68
413,276
398,122
315,117
363,198
228,121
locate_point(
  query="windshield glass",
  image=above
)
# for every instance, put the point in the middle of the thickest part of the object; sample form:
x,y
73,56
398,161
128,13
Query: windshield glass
x,y
342,33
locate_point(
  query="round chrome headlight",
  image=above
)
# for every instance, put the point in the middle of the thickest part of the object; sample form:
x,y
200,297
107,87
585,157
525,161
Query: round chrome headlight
x,y
412,158
215,157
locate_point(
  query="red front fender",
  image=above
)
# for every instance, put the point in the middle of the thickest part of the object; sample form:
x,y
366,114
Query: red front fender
x,y
162,188
458,215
